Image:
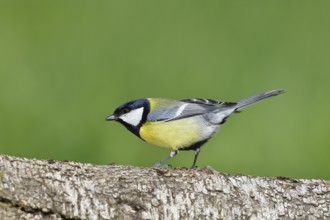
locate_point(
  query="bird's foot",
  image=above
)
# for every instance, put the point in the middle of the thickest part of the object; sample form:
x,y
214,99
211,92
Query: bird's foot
x,y
160,165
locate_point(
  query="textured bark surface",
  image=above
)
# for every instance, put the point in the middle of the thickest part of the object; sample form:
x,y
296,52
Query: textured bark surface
x,y
40,189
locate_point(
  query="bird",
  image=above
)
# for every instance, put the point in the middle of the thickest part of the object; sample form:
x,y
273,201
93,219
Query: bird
x,y
177,125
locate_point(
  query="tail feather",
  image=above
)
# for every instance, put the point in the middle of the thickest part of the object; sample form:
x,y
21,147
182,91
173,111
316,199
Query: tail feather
x,y
257,98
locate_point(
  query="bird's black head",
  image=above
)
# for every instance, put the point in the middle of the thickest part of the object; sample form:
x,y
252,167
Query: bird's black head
x,y
132,114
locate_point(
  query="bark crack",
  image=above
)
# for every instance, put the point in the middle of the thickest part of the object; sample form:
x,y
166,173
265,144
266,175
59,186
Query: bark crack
x,y
28,209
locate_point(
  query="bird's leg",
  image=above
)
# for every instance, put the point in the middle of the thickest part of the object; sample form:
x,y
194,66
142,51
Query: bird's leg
x,y
172,154
197,150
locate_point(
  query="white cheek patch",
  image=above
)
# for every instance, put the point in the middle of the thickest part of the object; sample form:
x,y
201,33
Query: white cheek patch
x,y
133,117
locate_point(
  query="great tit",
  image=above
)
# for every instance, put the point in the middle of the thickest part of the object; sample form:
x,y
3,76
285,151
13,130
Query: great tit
x,y
179,124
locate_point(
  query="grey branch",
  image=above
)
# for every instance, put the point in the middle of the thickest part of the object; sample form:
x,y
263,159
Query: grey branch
x,y
41,189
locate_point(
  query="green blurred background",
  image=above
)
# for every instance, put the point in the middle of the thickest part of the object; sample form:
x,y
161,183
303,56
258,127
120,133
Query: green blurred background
x,y
66,65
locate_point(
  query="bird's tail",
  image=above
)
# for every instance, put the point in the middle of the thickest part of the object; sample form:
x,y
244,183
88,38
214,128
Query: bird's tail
x,y
257,98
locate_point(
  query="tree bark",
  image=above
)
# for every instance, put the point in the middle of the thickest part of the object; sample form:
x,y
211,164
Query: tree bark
x,y
41,189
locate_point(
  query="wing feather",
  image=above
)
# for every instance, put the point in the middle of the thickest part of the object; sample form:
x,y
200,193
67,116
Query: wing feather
x,y
211,102
186,108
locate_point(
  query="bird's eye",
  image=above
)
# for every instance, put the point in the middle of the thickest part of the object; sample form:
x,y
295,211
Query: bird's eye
x,y
124,111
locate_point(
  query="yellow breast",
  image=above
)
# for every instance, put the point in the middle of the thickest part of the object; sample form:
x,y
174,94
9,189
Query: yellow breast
x,y
173,134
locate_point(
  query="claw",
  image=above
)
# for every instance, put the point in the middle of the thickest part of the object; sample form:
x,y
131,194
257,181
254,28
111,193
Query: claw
x,y
159,165
172,154
194,167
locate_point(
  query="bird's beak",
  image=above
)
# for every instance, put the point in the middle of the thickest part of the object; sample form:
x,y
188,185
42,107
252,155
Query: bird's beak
x,y
111,118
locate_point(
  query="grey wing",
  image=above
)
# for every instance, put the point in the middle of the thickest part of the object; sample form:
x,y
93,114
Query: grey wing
x,y
185,108
210,102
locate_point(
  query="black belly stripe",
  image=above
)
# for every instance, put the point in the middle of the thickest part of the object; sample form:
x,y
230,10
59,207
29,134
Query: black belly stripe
x,y
195,146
